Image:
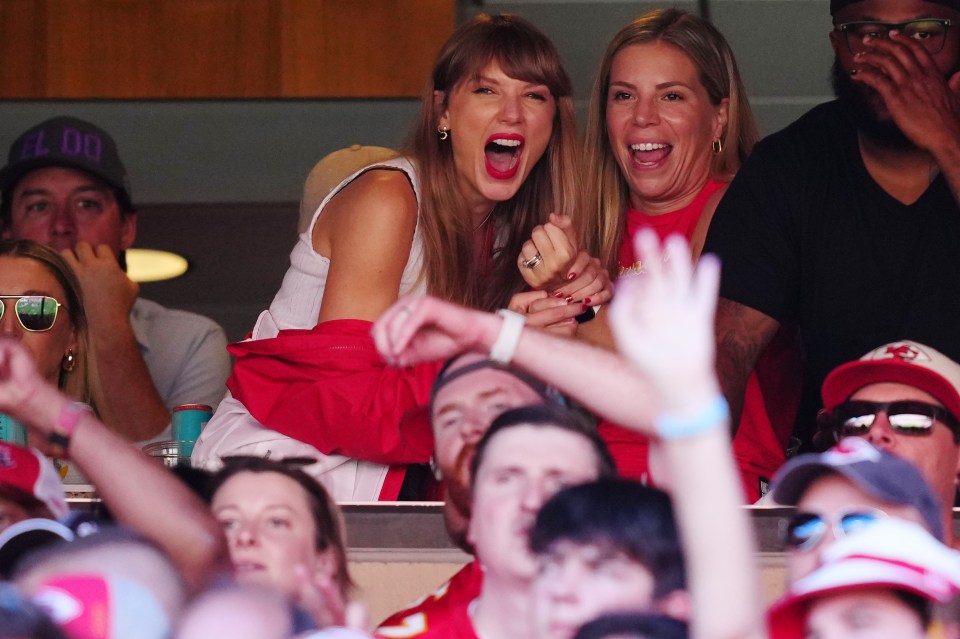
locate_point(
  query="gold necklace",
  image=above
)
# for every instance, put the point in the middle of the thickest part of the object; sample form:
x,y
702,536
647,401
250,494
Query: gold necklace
x,y
484,221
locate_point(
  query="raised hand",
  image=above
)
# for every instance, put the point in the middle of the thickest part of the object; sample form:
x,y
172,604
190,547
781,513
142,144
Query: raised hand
x,y
546,259
662,319
422,329
19,380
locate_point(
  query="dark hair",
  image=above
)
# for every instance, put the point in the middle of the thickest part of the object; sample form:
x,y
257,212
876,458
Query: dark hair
x,y
635,625
546,416
327,519
620,514
22,619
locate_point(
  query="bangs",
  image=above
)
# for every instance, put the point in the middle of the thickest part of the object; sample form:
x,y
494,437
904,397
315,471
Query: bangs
x,y
521,51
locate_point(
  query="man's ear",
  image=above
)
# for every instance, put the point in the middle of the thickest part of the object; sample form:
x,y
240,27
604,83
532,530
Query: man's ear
x,y
676,605
837,40
128,230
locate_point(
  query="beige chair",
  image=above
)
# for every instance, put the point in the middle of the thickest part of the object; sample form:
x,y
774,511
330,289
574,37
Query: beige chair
x,y
332,170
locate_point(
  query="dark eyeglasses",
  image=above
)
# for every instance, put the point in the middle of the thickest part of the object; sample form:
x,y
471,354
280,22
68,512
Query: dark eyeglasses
x,y
855,418
929,32
805,530
36,313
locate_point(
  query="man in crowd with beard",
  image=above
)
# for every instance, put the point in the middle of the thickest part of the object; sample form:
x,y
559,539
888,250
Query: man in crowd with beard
x,y
846,222
469,393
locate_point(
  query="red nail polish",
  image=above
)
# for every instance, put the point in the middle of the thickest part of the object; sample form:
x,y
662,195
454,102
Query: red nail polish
x,y
586,301
558,294
571,276
569,299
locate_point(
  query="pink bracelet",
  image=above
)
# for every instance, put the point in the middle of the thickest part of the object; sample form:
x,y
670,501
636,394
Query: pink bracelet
x,y
67,420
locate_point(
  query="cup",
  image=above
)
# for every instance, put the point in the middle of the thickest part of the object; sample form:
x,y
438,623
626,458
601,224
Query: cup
x,y
188,422
169,453
12,431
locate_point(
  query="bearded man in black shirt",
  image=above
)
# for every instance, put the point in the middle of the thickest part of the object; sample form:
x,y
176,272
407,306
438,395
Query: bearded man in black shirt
x,y
846,223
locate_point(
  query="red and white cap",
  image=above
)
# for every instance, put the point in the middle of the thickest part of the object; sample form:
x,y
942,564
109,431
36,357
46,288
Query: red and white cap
x,y
25,475
906,362
890,553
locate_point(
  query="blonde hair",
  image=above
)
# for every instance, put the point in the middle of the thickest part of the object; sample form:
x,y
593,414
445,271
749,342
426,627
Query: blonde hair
x,y
452,270
606,192
75,383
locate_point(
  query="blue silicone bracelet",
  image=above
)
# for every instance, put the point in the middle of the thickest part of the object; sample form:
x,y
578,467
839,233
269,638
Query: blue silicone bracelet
x,y
670,427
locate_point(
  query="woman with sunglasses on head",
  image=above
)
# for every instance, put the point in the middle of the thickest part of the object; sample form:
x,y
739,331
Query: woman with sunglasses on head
x,y
285,532
493,154
668,126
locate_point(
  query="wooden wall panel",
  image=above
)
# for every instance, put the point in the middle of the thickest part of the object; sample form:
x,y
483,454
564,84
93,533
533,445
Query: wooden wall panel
x,y
348,48
219,48
23,52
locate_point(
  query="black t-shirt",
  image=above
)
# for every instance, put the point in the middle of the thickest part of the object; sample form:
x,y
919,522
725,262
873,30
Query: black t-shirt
x,y
806,236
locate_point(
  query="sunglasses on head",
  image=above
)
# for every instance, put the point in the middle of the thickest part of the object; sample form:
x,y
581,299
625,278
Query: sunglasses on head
x,y
909,417
805,530
36,313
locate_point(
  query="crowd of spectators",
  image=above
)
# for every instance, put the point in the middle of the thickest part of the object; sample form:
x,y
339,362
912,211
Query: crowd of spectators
x,y
449,330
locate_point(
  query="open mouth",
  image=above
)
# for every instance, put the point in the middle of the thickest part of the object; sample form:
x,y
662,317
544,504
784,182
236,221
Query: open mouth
x,y
648,154
502,155
246,567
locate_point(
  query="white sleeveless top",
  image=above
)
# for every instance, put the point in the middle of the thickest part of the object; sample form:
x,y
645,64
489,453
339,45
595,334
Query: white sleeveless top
x,y
233,431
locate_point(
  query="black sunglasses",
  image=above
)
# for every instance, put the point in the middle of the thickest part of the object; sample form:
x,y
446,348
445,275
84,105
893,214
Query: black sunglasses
x,y
909,417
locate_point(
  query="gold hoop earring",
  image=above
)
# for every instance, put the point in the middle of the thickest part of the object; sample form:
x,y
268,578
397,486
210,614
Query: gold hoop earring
x,y
69,361
717,146
444,133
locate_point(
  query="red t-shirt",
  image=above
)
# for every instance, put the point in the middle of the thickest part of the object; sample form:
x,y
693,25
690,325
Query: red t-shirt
x,y
441,614
773,389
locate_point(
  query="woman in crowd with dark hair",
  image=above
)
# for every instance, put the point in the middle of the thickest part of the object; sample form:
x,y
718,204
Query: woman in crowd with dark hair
x,y
493,154
669,125
283,531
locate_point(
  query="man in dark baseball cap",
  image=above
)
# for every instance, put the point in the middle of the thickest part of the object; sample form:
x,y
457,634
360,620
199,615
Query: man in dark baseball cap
x,y
71,143
65,186
847,487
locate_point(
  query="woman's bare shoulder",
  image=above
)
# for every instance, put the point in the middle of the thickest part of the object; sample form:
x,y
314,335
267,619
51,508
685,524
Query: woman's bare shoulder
x,y
379,201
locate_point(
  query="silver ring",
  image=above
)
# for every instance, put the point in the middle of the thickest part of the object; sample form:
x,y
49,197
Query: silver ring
x,y
533,262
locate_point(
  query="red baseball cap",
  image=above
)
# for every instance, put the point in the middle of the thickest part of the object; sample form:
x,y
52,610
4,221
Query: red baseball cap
x,y
905,362
25,474
888,554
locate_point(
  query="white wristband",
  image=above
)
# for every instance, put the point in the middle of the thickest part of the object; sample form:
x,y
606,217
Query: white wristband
x,y
506,344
